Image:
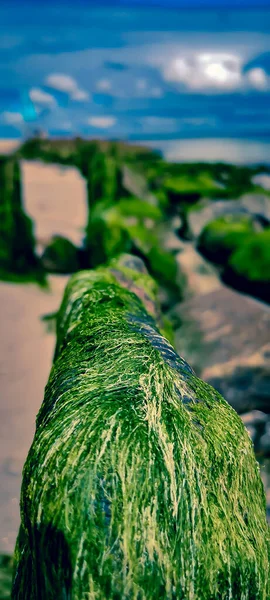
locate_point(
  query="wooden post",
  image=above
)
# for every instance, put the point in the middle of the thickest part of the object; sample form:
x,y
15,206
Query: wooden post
x,y
141,482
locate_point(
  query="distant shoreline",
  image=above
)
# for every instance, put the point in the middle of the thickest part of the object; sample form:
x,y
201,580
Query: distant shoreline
x,y
228,150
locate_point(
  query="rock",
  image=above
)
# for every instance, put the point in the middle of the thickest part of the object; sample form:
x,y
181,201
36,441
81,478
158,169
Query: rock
x,y
263,180
264,444
225,337
245,382
60,256
199,275
136,185
256,423
222,236
252,432
264,463
208,210
255,417
257,204
248,267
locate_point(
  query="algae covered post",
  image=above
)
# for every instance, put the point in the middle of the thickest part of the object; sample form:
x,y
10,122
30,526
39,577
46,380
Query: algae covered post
x,y
141,481
17,244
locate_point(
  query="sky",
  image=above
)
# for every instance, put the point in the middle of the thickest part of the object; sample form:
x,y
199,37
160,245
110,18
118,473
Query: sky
x,y
124,70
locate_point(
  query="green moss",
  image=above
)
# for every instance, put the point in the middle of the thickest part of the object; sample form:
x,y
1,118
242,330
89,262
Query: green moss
x,y
141,481
60,256
6,572
113,231
203,183
17,243
249,266
140,209
252,260
221,237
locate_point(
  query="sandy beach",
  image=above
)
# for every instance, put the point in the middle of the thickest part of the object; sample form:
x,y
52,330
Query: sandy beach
x,y
55,199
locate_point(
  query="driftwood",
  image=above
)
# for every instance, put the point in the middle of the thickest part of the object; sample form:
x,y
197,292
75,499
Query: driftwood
x,y
141,482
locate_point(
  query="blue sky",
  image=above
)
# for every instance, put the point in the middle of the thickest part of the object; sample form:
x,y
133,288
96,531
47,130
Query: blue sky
x,y
132,72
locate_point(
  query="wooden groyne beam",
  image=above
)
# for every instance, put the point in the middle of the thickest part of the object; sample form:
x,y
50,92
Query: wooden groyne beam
x,y
141,482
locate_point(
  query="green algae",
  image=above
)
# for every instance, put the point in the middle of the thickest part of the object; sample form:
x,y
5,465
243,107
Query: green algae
x,y
60,256
248,268
130,225
252,260
6,571
17,243
141,482
222,236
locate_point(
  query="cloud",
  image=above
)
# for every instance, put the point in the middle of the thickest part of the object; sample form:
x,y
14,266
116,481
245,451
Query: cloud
x,y
80,95
68,85
258,78
145,90
38,96
11,118
141,84
104,85
101,122
202,71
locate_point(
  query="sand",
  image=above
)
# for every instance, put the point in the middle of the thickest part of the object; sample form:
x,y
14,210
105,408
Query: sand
x,y
55,198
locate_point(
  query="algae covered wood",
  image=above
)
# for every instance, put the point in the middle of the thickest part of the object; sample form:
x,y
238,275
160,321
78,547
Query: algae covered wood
x,y
141,482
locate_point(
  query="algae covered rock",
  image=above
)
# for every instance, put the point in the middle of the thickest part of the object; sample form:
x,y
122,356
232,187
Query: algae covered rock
x,y
60,256
249,266
223,235
141,481
255,208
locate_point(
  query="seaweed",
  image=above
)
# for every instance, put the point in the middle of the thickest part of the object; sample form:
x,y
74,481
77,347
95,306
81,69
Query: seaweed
x,y
141,481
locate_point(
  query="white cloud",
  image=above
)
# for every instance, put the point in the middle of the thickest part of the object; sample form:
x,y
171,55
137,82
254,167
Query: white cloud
x,y
145,90
101,122
38,96
12,118
205,70
104,85
62,83
68,85
141,84
258,78
80,95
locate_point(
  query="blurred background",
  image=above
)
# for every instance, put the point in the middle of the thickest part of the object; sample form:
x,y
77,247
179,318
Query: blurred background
x,y
144,127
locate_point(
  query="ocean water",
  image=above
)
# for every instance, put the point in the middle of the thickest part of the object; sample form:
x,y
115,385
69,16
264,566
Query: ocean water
x,y
234,151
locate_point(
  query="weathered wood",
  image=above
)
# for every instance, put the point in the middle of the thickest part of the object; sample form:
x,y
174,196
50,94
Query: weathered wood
x,y
141,482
